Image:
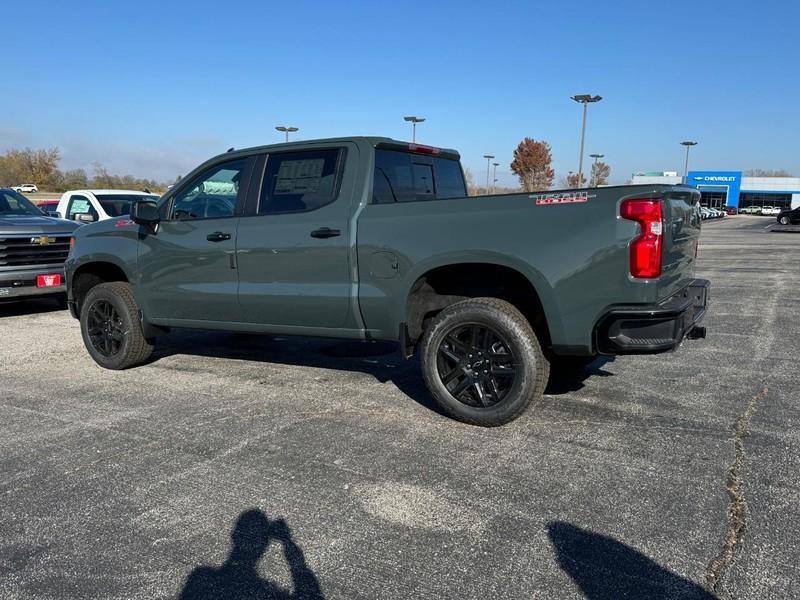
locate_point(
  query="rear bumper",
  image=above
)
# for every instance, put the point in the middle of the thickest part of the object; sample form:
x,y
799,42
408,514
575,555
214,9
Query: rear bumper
x,y
22,284
657,328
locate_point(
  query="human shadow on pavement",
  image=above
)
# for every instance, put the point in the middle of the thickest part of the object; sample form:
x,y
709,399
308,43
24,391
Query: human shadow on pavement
x,y
605,569
238,577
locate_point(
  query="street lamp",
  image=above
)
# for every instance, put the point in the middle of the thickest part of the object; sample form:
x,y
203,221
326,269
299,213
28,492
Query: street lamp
x,y
414,121
494,176
686,163
596,157
287,130
584,99
488,158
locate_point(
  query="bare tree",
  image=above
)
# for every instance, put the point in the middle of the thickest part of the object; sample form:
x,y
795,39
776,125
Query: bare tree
x,y
571,181
600,173
531,164
470,179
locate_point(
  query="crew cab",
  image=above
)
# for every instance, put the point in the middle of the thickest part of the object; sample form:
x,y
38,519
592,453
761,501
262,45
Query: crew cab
x,y
374,239
33,248
88,206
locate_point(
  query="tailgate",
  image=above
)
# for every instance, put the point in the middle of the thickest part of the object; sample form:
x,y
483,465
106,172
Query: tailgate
x,y
681,236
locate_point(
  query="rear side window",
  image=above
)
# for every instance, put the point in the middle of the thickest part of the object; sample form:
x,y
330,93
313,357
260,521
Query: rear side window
x,y
118,205
300,181
407,177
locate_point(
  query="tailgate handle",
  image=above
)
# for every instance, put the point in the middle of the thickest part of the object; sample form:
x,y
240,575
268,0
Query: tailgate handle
x,y
325,232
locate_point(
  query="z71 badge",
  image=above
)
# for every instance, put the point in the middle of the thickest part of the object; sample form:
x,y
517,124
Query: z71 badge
x,y
565,198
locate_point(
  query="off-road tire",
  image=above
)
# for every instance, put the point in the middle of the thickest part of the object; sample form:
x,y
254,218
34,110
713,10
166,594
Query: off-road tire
x,y
135,349
532,368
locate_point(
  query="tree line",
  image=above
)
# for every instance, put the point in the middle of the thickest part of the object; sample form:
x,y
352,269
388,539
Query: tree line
x,y
41,167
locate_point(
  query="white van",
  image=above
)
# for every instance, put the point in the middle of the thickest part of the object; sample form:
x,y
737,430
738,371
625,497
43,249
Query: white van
x,y
88,206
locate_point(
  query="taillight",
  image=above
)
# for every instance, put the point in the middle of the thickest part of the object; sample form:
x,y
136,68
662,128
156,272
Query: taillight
x,y
646,248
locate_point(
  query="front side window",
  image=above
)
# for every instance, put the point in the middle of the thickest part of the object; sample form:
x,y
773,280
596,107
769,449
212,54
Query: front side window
x,y
80,205
211,195
300,181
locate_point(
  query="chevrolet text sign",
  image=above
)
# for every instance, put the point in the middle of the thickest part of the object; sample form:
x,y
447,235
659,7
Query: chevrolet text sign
x,y
727,183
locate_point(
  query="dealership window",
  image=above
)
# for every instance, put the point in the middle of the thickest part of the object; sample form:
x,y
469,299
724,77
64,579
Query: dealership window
x,y
764,199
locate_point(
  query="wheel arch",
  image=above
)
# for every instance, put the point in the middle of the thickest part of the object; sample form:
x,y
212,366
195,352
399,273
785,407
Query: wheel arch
x,y
440,282
92,273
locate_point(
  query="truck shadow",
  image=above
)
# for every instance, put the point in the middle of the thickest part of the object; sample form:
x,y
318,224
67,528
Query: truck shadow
x,y
606,569
29,306
379,359
238,578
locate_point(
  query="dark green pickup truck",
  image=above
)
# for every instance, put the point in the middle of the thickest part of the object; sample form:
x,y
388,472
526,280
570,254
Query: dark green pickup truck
x,y
371,238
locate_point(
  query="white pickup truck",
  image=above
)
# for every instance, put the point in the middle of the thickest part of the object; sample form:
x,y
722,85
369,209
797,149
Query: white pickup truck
x,y
88,206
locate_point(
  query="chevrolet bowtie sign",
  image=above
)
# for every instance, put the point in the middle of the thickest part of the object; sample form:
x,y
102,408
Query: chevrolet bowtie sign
x,y
43,240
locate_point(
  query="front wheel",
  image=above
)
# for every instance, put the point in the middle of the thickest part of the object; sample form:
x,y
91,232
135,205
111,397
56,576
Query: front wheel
x,y
482,362
784,220
110,326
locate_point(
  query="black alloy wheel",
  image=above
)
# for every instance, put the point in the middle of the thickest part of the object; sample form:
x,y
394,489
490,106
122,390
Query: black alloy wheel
x,y
105,328
476,365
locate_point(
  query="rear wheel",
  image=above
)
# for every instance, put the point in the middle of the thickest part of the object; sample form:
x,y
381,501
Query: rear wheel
x,y
111,329
482,362
784,220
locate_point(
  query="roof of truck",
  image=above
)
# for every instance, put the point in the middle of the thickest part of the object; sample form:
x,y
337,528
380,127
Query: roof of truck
x,y
369,139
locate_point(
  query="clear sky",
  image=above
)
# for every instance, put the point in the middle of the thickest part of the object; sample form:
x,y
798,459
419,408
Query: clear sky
x,y
153,88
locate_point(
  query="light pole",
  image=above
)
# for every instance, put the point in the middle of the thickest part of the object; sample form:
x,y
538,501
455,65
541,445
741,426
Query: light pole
x,y
686,162
488,158
494,175
584,99
287,130
414,121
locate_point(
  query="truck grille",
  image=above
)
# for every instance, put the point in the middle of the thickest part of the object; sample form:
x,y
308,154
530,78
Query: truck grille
x,y
33,250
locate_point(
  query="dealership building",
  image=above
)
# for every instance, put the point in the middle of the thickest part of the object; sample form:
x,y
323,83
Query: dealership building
x,y
729,188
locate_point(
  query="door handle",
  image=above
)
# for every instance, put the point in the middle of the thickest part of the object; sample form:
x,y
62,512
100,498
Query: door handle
x,y
218,236
325,232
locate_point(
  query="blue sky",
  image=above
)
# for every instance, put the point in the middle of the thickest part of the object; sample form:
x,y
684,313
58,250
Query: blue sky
x,y
153,88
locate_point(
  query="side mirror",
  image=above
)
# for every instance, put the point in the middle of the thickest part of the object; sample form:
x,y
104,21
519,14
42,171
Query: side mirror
x,y
145,213
84,217
54,213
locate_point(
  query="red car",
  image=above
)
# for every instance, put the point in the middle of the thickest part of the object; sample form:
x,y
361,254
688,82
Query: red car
x,y
48,206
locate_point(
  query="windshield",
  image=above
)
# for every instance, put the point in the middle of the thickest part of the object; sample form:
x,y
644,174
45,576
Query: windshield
x,y
117,205
14,203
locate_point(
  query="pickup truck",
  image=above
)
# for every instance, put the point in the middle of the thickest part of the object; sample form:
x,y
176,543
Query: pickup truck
x,y
375,239
33,248
88,206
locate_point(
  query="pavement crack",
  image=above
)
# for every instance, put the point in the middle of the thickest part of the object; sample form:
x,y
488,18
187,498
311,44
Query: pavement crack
x,y
737,506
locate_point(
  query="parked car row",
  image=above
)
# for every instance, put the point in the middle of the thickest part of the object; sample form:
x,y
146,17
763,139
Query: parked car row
x,y
711,213
761,210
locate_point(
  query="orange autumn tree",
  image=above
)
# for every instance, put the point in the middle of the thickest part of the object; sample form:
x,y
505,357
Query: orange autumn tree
x,y
531,164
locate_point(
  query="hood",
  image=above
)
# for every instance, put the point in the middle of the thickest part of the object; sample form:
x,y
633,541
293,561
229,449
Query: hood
x,y
20,224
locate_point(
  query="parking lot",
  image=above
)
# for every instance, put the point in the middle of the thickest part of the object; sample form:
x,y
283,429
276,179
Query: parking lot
x,y
672,476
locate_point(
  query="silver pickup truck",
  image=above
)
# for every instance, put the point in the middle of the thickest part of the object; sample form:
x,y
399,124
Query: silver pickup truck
x,y
33,248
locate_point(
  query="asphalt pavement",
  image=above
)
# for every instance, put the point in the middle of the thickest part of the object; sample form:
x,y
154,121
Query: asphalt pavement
x,y
259,467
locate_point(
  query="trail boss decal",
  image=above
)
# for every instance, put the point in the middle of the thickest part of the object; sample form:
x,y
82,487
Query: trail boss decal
x,y
568,198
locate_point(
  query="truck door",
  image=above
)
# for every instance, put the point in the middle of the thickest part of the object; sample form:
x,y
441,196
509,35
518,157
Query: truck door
x,y
293,247
187,268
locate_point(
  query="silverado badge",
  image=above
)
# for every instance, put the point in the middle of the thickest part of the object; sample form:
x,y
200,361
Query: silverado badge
x,y
43,240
